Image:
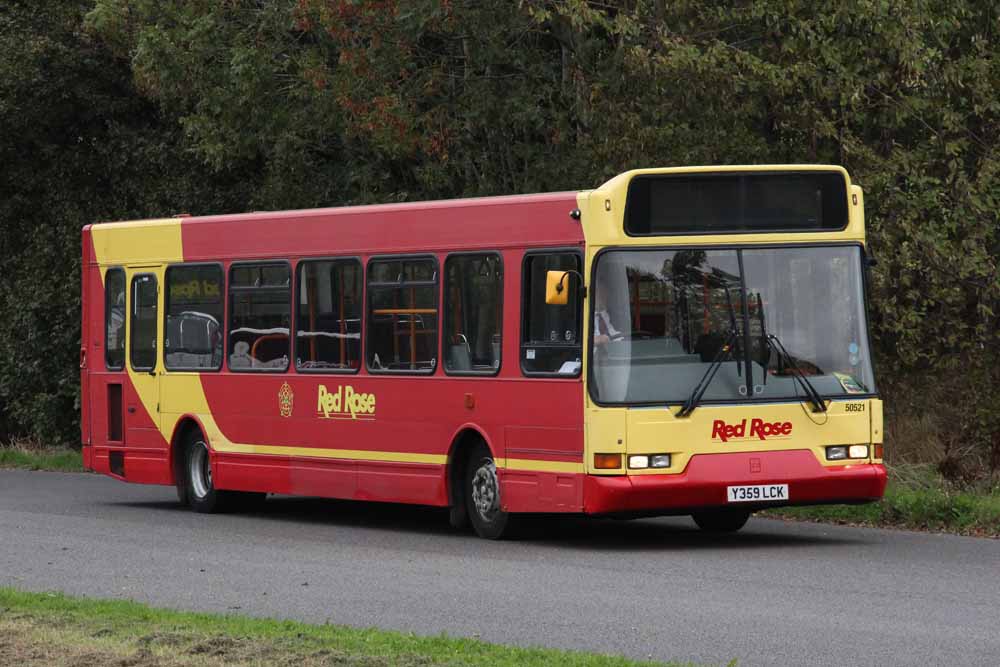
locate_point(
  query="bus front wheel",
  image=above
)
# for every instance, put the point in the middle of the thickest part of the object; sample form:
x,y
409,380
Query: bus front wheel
x,y
721,521
482,496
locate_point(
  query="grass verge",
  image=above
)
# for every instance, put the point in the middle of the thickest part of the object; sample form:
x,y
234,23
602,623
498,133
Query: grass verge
x,y
53,629
915,498
27,455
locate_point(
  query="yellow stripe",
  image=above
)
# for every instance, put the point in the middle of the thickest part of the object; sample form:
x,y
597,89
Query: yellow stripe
x,y
537,465
346,454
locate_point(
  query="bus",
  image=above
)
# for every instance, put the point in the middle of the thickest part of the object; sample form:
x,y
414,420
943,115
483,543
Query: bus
x,y
678,341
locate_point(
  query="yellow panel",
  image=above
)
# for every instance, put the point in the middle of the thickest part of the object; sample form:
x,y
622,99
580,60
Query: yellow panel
x,y
878,434
606,433
603,212
658,431
138,243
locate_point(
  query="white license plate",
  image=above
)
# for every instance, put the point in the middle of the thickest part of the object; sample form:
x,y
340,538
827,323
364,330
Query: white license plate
x,y
756,494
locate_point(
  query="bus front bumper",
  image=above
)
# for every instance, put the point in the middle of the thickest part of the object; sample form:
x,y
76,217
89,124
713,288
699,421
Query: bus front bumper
x,y
705,483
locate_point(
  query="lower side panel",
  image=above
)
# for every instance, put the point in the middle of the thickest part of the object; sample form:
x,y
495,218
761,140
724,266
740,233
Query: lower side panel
x,y
704,483
139,466
415,483
532,491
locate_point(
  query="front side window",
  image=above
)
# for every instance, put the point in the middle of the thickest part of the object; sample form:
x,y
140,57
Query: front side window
x,y
328,327
472,308
142,350
759,314
193,324
402,315
114,319
550,334
260,297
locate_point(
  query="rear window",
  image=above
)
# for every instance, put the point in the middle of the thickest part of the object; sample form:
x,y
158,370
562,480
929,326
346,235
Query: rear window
x,y
664,204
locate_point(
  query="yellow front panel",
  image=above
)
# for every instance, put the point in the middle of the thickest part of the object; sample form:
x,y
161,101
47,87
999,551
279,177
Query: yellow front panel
x,y
747,428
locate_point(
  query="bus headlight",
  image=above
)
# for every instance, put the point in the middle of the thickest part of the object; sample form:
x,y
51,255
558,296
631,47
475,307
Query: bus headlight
x,y
841,452
858,452
638,461
659,461
836,453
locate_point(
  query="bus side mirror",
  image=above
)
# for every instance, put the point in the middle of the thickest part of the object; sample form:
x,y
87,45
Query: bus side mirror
x,y
557,288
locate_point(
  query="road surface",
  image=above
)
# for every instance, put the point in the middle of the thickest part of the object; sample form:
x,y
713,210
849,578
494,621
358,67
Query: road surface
x,y
775,594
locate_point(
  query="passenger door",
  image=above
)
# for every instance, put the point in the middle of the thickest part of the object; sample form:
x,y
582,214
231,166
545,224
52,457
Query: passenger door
x,y
142,394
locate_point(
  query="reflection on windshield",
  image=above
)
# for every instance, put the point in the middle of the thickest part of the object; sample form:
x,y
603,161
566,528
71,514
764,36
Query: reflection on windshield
x,y
662,316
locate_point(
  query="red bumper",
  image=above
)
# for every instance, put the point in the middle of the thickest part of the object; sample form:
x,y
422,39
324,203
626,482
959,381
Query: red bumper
x,y
704,483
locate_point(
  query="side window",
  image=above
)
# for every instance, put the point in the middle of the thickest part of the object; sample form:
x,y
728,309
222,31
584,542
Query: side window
x,y
192,338
473,289
114,319
142,347
260,298
402,315
328,321
550,335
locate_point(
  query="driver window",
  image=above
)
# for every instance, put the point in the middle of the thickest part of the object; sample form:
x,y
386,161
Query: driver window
x,y
550,334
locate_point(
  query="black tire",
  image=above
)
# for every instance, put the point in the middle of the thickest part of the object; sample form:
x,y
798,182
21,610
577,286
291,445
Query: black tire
x,y
721,521
481,488
202,496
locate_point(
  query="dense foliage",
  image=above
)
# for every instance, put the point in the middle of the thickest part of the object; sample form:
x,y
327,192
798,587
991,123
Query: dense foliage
x,y
119,108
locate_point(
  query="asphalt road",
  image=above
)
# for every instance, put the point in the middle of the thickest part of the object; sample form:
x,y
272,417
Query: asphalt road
x,y
775,594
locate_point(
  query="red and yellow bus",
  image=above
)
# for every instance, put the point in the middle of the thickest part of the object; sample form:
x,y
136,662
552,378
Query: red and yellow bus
x,y
676,341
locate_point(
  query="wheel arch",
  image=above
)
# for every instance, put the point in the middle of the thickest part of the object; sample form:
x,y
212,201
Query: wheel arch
x,y
465,438
185,425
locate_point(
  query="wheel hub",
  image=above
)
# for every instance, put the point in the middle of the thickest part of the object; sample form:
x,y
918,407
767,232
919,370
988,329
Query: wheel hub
x,y
486,491
200,470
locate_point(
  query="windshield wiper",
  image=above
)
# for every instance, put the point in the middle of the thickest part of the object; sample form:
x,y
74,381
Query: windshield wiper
x,y
807,386
692,402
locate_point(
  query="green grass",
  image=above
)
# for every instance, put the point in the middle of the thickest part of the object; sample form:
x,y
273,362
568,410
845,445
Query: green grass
x,y
29,457
915,498
141,635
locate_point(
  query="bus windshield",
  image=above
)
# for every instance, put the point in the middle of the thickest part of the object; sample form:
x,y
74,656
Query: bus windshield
x,y
662,317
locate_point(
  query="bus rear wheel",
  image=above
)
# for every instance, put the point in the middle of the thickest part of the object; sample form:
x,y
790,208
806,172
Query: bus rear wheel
x,y
721,521
200,491
482,496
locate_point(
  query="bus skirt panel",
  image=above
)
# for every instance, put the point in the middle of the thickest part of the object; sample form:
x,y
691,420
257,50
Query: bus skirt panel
x,y
706,481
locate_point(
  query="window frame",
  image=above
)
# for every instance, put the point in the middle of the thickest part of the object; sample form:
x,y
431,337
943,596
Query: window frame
x,y
107,317
229,310
166,313
367,301
444,308
130,303
528,254
295,313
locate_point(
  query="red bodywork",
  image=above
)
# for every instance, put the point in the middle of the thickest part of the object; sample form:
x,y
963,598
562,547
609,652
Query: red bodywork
x,y
704,483
539,419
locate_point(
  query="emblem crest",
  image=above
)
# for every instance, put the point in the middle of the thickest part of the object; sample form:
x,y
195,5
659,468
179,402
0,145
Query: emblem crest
x,y
286,400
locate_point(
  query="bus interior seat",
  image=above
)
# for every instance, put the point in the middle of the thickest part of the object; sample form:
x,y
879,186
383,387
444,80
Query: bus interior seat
x,y
459,355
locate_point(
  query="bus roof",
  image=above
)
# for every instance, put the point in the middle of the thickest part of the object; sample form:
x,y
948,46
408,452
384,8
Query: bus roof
x,y
535,220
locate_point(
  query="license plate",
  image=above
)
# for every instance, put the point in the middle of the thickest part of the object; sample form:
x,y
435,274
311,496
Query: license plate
x,y
756,494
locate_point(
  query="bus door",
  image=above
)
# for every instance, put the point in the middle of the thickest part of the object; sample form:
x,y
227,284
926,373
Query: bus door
x,y
142,393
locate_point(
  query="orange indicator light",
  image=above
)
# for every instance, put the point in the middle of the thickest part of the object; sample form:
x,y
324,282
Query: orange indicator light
x,y
607,461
